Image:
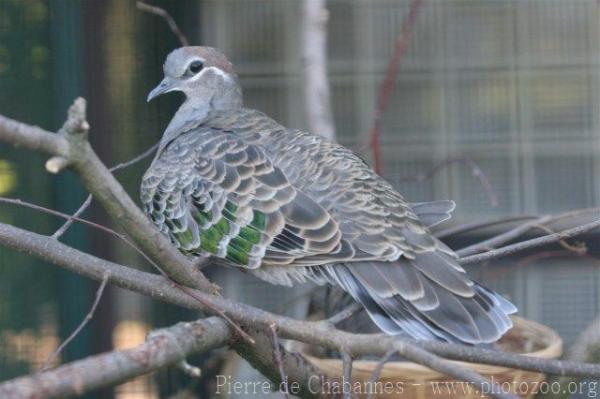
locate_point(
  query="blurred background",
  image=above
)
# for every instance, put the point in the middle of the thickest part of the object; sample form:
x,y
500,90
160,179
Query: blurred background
x,y
512,85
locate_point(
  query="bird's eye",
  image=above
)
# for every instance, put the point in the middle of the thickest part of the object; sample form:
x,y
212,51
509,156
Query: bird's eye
x,y
196,67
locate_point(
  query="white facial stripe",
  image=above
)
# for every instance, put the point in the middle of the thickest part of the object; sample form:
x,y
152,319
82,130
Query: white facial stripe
x,y
216,70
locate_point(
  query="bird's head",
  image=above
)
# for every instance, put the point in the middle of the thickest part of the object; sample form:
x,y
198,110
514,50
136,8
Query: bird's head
x,y
204,74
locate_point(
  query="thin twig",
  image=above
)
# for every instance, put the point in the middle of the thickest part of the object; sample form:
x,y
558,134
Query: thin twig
x,y
278,360
503,238
135,160
385,89
529,244
377,372
66,225
81,325
540,223
190,370
578,248
19,202
62,230
422,356
345,314
347,374
467,227
167,17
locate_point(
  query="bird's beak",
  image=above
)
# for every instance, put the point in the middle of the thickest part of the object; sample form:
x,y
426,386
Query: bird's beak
x,y
165,86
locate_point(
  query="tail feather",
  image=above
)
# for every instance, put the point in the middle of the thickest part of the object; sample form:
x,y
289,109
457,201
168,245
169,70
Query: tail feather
x,y
434,212
431,306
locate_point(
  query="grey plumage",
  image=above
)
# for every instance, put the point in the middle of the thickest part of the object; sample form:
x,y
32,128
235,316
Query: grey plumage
x,y
287,205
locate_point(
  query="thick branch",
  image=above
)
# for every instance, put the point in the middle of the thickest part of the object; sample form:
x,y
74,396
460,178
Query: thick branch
x,y
58,233
299,372
158,287
318,333
32,137
162,348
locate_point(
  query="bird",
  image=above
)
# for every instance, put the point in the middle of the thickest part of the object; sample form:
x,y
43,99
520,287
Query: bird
x,y
232,184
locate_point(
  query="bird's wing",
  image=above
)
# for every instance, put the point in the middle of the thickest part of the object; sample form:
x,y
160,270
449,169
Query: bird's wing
x,y
376,222
215,193
406,278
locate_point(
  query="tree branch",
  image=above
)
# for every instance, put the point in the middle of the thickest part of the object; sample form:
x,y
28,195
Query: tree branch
x,y
347,373
253,319
503,238
278,359
73,146
478,225
299,372
421,356
32,137
574,218
379,368
88,200
162,348
529,244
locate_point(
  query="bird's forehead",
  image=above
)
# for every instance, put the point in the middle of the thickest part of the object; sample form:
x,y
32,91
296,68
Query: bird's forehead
x,y
179,59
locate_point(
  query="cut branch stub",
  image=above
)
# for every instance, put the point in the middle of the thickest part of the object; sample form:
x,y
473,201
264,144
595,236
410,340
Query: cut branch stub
x,y
76,123
75,130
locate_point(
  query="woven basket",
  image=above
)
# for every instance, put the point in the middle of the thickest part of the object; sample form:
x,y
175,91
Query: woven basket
x,y
410,380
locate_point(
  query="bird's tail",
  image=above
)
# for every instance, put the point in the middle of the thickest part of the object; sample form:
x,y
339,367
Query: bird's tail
x,y
428,297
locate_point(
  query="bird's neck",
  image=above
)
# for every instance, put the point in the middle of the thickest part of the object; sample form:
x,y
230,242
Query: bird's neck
x,y
196,109
190,112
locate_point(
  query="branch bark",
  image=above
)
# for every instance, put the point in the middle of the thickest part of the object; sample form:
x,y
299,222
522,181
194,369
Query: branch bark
x,y
253,319
58,233
70,144
162,348
533,243
72,147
